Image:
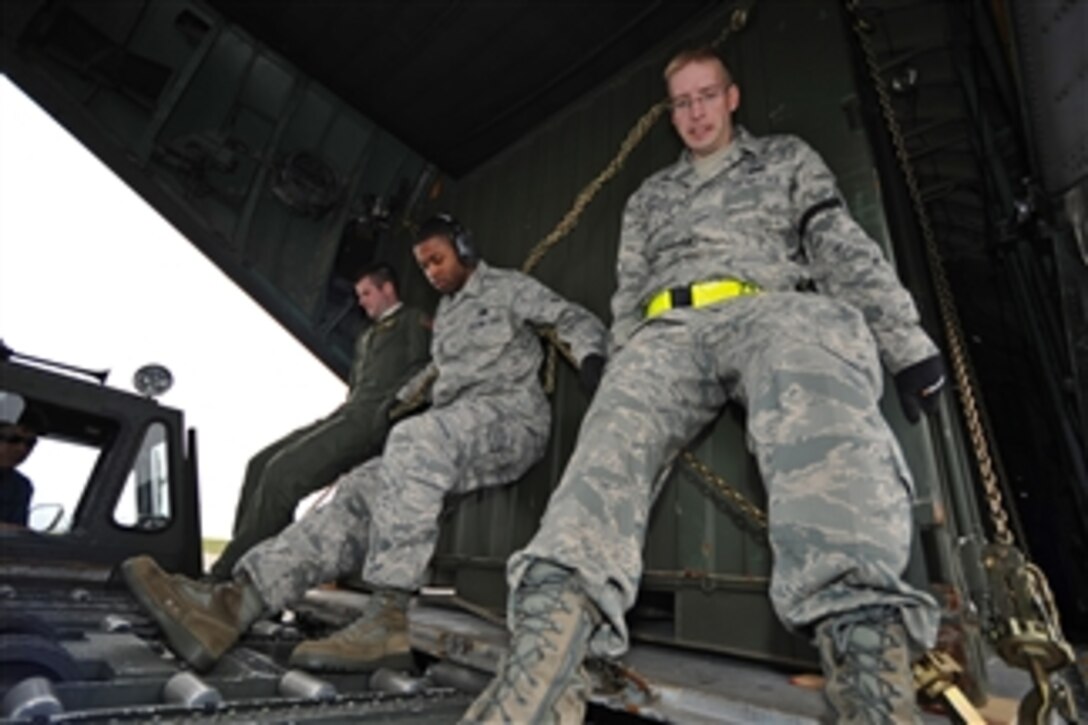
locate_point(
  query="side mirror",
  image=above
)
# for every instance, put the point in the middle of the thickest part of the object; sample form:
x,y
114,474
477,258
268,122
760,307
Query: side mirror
x,y
152,380
44,517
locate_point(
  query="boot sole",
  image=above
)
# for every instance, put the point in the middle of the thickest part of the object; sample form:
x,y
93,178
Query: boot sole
x,y
326,663
188,647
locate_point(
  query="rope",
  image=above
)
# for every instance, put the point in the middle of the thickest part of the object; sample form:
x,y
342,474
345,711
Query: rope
x,y
570,220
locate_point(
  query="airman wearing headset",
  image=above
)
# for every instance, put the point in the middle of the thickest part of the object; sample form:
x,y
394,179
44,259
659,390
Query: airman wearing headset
x,y
488,422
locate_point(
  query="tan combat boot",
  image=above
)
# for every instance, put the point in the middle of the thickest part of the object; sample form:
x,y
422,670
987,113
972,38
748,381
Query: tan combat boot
x,y
378,638
866,664
200,621
541,678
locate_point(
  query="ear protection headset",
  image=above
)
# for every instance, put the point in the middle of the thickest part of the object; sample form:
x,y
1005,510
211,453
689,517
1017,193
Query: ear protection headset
x,y
462,240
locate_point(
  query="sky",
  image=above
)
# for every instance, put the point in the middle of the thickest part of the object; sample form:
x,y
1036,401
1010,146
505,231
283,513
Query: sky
x,y
92,276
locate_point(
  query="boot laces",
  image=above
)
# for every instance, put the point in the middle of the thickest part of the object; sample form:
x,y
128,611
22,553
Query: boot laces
x,y
865,663
534,623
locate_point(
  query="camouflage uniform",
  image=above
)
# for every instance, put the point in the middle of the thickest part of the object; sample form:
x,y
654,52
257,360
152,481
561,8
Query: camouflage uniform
x,y
488,424
387,354
804,365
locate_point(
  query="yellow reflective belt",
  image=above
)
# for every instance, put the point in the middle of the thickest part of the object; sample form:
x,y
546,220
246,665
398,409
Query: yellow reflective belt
x,y
700,294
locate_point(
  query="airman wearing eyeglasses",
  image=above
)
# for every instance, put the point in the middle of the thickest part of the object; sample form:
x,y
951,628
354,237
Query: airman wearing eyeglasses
x,y
16,442
702,100
742,278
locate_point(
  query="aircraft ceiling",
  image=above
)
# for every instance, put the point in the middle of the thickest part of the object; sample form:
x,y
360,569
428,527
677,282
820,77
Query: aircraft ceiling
x,y
438,73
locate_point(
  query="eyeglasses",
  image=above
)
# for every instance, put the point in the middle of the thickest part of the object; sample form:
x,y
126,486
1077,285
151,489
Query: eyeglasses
x,y
706,95
28,441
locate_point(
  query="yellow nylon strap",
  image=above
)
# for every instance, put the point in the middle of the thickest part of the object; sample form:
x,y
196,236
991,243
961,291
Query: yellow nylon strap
x,y
702,294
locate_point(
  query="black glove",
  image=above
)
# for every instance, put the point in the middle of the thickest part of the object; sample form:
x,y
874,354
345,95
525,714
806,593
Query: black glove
x,y
918,386
589,373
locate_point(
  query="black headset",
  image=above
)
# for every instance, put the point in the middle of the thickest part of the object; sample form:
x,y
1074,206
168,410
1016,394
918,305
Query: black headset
x,y
462,240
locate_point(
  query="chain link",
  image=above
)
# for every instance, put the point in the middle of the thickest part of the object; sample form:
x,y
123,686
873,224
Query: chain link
x,y
961,364
722,487
1025,626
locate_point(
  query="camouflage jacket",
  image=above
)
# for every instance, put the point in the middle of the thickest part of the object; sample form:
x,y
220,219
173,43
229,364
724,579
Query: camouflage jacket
x,y
744,221
484,341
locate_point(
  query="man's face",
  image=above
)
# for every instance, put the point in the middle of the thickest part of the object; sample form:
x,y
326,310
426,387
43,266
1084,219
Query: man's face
x,y
440,264
16,443
703,101
375,299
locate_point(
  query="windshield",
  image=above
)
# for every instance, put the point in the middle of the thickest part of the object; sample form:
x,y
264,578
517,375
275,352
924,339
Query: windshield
x,y
50,453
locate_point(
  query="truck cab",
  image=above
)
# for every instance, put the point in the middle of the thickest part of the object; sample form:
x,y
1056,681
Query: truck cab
x,y
132,484
73,642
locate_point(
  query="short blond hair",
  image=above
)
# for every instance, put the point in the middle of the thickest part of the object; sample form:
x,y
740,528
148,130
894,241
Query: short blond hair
x,y
700,54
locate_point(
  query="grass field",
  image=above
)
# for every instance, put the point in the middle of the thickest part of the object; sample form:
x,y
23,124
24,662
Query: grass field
x,y
213,546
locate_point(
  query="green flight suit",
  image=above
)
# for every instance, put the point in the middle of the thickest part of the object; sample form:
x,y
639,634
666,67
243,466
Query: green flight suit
x,y
387,354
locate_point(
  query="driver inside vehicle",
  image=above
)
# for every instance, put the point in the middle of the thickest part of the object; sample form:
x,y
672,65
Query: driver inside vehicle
x,y
17,440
